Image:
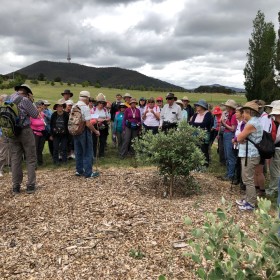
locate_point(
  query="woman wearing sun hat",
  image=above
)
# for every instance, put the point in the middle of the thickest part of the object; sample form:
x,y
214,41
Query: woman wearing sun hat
x,y
249,154
229,124
131,126
204,120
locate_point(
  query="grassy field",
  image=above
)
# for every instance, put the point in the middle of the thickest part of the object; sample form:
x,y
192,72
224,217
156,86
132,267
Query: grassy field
x,y
53,93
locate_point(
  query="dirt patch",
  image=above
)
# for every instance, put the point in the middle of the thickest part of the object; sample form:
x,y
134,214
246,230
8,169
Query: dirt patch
x,y
73,228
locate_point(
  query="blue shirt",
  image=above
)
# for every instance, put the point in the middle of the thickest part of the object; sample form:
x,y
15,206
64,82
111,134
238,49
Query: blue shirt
x,y
255,136
118,122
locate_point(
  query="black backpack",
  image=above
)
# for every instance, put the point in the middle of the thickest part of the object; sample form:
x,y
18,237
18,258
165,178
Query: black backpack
x,y
266,147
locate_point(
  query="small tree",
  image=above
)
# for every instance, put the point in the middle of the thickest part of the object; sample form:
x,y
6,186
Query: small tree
x,y
175,153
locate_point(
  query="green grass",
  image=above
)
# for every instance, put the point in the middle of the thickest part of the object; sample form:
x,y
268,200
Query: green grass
x,y
53,93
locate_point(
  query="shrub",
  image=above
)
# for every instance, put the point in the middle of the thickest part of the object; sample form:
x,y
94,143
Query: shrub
x,y
175,153
224,251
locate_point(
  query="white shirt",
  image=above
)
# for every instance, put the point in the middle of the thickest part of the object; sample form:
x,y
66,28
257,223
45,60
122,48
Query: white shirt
x,y
84,109
172,114
151,119
266,122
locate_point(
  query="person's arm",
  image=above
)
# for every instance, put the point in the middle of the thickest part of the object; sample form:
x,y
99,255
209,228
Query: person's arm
x,y
92,128
232,125
31,110
179,114
248,129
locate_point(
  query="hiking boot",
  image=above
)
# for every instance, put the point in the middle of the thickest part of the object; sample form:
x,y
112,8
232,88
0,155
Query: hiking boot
x,y
246,207
236,182
16,189
78,174
94,175
225,178
1,174
30,189
240,202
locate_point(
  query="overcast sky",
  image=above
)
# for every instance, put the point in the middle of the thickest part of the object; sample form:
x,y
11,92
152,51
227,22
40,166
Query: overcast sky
x,y
184,42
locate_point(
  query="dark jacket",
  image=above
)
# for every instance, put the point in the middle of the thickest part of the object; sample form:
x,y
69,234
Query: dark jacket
x,y
54,130
190,111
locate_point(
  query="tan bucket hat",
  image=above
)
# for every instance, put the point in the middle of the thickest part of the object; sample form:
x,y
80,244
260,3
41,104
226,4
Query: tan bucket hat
x,y
231,103
252,105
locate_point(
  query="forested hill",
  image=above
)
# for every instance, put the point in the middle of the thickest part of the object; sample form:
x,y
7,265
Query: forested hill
x,y
106,77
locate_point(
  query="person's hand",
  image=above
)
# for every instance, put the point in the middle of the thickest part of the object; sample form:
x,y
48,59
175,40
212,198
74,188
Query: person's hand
x,y
97,133
51,138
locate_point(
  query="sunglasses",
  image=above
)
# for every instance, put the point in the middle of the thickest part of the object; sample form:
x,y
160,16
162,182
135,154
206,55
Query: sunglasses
x,y
159,101
169,98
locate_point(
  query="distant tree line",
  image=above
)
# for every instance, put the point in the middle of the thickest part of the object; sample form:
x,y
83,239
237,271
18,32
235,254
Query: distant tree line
x,y
214,89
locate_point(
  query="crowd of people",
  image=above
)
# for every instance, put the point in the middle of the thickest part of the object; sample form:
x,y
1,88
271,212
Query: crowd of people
x,y
229,124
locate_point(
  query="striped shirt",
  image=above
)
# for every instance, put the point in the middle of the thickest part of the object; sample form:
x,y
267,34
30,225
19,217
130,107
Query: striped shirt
x,y
26,109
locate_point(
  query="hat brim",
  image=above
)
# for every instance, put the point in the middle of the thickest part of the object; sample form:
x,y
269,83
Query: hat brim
x,y
230,106
71,94
133,102
55,106
275,112
198,104
173,97
246,107
27,89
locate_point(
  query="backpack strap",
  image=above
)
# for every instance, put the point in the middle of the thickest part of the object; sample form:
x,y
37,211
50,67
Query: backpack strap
x,y
246,158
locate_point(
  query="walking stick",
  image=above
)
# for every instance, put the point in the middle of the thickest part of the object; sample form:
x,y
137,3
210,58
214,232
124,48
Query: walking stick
x,y
97,149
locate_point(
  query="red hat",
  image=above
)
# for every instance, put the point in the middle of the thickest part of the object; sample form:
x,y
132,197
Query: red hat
x,y
217,111
159,98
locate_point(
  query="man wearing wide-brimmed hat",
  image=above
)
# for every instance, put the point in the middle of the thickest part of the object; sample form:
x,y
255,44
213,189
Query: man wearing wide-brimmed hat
x,y
67,94
24,143
249,154
171,113
83,142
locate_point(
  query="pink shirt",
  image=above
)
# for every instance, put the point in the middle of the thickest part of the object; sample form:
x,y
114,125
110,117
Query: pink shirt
x,y
38,124
231,121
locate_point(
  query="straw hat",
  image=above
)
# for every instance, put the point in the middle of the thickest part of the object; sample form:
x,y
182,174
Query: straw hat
x,y
180,102
252,105
59,103
231,103
185,98
100,98
133,100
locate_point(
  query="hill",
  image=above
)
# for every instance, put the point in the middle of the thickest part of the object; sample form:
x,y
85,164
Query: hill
x,y
218,89
107,77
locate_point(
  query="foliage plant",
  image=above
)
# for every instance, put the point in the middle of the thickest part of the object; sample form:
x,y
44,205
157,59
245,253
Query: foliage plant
x,y
259,70
222,250
175,153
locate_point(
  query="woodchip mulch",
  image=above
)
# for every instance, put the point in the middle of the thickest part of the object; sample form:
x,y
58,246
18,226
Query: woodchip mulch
x,y
76,228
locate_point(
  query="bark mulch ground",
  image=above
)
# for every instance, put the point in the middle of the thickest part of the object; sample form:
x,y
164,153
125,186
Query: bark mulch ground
x,y
117,226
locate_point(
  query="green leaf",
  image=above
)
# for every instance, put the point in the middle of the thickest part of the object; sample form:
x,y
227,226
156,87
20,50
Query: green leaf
x,y
201,273
187,221
161,277
196,258
223,201
240,275
221,214
232,253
